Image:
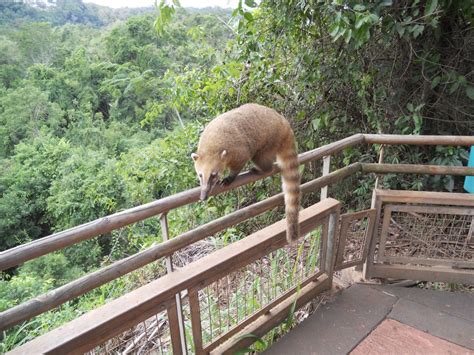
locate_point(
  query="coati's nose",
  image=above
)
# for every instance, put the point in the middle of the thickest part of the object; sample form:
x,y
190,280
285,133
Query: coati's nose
x,y
204,194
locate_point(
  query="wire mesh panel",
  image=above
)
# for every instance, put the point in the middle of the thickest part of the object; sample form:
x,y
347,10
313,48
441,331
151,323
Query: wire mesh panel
x,y
355,231
151,336
237,298
427,235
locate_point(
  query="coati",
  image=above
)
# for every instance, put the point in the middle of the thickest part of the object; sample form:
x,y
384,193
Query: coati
x,y
250,132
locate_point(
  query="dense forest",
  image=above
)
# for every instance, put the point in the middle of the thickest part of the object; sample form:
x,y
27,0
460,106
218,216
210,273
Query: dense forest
x,y
100,110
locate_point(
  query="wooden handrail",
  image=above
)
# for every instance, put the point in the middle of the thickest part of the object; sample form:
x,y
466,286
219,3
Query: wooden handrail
x,y
417,169
45,245
57,241
396,139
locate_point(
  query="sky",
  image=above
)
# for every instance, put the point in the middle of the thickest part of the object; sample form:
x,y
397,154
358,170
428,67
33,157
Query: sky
x,y
184,3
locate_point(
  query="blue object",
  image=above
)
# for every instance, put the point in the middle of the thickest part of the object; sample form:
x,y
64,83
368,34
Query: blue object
x,y
469,182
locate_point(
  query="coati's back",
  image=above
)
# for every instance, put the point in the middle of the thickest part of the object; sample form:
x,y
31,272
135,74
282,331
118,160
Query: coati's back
x,y
250,127
257,133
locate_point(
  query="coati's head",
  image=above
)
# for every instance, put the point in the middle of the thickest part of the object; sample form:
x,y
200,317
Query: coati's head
x,y
209,167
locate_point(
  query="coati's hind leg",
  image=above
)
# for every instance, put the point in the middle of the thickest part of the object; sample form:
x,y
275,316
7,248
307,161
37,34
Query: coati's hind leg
x,y
263,163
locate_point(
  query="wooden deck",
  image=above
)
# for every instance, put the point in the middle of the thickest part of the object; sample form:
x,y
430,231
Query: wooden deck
x,y
386,320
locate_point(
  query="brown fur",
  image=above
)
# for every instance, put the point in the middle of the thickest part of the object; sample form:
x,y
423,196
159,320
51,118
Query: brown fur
x,y
257,133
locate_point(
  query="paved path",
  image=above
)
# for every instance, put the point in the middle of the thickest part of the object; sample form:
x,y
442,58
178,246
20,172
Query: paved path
x,y
386,320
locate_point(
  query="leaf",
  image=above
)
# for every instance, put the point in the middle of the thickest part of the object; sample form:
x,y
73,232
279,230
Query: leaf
x,y
435,82
449,183
316,123
470,92
386,3
417,30
400,29
248,16
335,29
454,87
250,3
430,7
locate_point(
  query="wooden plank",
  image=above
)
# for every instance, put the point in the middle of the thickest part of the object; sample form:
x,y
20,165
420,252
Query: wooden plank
x,y
95,327
181,335
196,320
173,320
326,167
426,197
276,315
333,230
428,273
418,140
369,261
95,279
372,213
417,169
464,211
457,263
387,215
331,148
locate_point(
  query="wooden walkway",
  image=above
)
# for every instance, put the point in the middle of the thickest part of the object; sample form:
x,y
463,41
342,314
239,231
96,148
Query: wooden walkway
x,y
371,319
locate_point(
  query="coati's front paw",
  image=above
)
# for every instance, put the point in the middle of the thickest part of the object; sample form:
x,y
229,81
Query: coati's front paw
x,y
228,180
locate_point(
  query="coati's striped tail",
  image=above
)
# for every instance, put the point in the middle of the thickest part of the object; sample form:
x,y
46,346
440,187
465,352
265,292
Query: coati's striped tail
x,y
288,162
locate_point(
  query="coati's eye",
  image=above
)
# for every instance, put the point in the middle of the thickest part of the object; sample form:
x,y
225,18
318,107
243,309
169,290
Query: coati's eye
x,y
213,174
200,176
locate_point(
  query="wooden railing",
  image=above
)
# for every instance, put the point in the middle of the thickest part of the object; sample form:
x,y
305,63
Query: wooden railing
x,y
50,300
423,236
255,251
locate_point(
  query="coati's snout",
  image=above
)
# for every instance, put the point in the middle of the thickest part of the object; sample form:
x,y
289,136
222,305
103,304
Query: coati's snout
x,y
207,184
208,171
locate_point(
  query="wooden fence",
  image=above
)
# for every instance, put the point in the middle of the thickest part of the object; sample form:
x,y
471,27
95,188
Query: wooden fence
x,y
423,236
172,305
255,251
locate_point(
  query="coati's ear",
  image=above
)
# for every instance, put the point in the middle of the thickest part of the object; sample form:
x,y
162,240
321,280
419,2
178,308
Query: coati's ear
x,y
194,156
223,154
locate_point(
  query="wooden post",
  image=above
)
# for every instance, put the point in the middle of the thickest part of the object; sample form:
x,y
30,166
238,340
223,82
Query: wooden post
x,y
196,320
376,185
331,244
173,320
326,168
177,329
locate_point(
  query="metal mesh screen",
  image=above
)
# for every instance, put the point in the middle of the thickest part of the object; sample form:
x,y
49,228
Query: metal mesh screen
x,y
233,298
430,235
150,336
355,240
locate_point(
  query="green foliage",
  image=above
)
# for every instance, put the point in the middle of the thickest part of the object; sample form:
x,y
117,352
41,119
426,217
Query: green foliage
x,y
24,188
26,113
